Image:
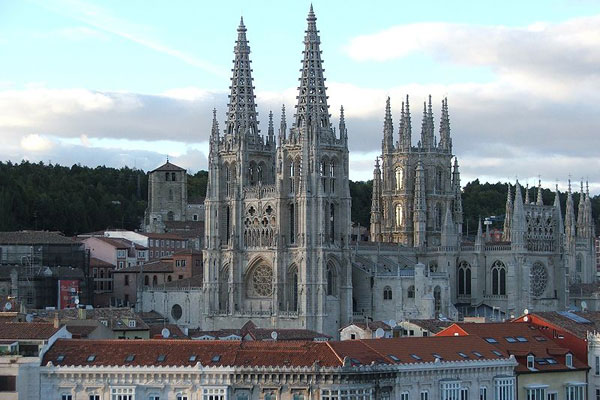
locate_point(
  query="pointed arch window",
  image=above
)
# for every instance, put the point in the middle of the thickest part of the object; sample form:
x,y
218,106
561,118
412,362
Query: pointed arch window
x,y
399,216
387,293
463,277
331,222
498,278
399,178
292,282
437,300
332,176
410,293
331,280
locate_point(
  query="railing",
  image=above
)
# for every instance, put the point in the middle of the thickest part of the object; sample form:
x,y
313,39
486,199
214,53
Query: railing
x,y
497,247
259,191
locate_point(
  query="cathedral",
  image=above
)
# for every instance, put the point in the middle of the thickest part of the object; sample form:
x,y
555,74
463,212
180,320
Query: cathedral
x,y
277,245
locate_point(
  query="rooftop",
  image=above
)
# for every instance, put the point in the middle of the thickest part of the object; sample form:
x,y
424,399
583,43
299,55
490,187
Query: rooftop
x,y
278,353
520,340
161,266
431,325
27,330
168,167
578,323
35,237
117,318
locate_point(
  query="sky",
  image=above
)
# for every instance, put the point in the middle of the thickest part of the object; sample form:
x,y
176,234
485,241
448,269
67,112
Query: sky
x,y
130,83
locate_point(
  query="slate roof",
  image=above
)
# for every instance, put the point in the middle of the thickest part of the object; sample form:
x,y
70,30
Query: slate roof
x,y
521,340
579,329
82,331
431,325
27,330
262,334
372,325
168,167
279,353
151,266
117,317
35,237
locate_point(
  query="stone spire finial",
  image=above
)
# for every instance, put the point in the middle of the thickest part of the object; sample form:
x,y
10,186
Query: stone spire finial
x,y
427,128
557,210
388,128
570,229
405,124
540,201
445,139
241,114
271,130
312,108
527,193
282,126
507,215
518,223
343,131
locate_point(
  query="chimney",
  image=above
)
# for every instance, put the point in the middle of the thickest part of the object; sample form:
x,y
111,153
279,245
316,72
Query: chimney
x,y
56,321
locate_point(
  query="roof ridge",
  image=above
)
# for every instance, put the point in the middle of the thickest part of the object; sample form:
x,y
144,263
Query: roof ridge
x,y
334,352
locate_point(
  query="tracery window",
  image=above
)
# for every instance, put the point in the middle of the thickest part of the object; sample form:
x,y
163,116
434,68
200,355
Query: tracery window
x,y
261,280
331,280
539,279
399,178
463,277
498,278
399,215
437,300
387,293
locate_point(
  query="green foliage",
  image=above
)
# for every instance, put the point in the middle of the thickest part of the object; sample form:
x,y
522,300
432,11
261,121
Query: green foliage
x,y
361,193
83,199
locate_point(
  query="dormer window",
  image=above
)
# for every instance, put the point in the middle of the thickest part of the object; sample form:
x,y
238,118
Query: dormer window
x,y
132,323
569,360
530,362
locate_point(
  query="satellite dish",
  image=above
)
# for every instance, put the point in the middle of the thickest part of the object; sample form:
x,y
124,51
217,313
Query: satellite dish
x,y
76,301
165,333
526,311
392,323
583,305
274,335
29,318
379,333
8,306
526,318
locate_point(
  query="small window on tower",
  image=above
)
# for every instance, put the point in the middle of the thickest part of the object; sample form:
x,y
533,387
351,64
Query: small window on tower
x,y
173,176
167,176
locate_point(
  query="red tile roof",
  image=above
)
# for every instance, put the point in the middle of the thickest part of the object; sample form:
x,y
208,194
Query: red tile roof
x,y
579,329
273,353
174,331
27,330
96,262
520,340
431,325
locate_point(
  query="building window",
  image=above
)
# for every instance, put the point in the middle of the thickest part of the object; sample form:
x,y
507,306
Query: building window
x,y
213,394
270,395
464,278
498,278
399,178
504,388
343,394
569,360
66,397
8,383
94,397
538,393
147,280
483,393
404,396
331,275
126,282
597,394
424,395
181,396
531,363
411,292
154,397
292,226
122,393
387,293
464,394
450,390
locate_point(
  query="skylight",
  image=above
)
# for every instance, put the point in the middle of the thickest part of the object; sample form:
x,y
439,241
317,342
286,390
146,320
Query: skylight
x,y
478,354
463,355
130,358
496,352
551,361
510,339
354,361
522,339
216,358
60,358
161,357
393,357
490,340
193,358
540,338
416,357
91,358
436,355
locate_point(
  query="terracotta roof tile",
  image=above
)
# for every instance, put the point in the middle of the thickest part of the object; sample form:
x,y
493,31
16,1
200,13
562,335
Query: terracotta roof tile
x,y
27,330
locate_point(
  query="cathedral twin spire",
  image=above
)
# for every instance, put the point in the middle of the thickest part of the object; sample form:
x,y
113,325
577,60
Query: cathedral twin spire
x,y
428,139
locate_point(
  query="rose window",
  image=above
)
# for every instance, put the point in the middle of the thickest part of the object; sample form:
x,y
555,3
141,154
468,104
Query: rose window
x,y
539,279
262,279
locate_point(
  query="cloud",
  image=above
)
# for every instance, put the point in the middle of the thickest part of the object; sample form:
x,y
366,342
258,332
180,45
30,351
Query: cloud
x,y
35,143
542,57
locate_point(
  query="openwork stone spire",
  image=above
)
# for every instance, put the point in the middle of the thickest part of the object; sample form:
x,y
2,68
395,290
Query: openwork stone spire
x,y
241,114
445,139
312,105
427,134
388,128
